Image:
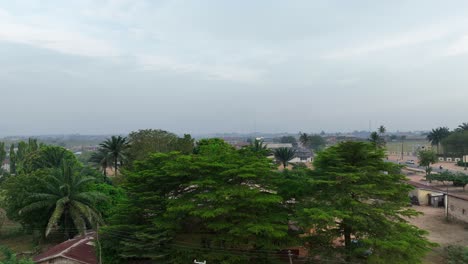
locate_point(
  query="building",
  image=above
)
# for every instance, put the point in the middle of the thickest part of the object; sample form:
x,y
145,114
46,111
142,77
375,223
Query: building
x,y
302,155
79,250
278,145
455,204
427,195
457,208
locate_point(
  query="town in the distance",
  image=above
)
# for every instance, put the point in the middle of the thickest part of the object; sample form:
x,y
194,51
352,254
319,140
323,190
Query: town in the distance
x,y
153,196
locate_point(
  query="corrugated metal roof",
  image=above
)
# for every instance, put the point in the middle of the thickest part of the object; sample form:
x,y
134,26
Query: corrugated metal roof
x,y
78,249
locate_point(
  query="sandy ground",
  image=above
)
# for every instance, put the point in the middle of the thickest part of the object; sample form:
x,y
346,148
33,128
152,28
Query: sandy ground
x,y
440,231
446,165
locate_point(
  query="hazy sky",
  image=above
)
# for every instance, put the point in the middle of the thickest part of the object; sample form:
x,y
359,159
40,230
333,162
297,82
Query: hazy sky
x,y
231,66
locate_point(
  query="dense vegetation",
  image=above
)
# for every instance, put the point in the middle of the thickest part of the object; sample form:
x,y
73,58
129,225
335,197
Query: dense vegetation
x,y
172,201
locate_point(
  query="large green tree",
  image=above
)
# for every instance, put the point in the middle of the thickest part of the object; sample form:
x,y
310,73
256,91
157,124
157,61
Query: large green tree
x,y
284,155
47,157
463,127
146,141
12,159
64,194
116,148
357,198
304,139
3,153
288,139
426,159
102,159
259,146
456,143
218,205
436,136
315,142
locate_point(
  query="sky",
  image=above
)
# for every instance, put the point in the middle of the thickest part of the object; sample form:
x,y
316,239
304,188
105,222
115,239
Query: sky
x,y
114,66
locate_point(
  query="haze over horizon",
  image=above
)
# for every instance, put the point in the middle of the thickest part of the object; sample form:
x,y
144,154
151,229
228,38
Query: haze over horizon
x,y
103,67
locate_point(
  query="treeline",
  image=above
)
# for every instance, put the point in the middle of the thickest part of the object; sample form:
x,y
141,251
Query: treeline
x,y
453,142
173,200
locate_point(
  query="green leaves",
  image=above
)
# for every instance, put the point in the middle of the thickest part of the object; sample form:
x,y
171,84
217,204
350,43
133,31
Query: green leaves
x,y
218,196
284,155
352,198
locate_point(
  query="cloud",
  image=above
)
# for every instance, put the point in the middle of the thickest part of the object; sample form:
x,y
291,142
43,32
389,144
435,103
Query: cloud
x,y
206,71
60,40
458,47
388,43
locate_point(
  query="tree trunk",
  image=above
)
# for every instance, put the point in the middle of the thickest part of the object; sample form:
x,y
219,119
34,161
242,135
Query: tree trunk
x,y
115,166
347,235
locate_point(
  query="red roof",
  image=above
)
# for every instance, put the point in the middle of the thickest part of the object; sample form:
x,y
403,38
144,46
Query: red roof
x,y
80,249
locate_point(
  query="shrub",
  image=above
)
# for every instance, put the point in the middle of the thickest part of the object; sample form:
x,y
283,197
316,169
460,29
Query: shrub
x,y
457,254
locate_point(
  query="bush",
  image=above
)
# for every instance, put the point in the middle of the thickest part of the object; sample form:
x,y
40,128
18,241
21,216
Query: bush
x,y
10,258
457,254
461,163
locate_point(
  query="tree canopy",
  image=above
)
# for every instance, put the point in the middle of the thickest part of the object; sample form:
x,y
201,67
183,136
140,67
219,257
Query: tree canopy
x,y
218,204
436,136
359,198
146,141
456,143
426,159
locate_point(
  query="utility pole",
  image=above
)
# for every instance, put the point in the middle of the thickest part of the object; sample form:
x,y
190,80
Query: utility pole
x,y
402,149
290,256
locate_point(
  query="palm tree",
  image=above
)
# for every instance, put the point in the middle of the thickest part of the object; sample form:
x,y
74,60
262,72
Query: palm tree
x,y
258,146
375,139
304,139
102,159
463,127
382,130
66,196
284,155
116,147
436,136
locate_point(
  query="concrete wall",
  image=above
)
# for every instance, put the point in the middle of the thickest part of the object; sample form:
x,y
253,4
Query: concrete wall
x,y
298,160
458,209
422,195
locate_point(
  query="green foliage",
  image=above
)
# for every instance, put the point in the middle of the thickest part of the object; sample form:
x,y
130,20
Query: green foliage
x,y
2,153
258,146
114,196
457,179
218,204
315,142
288,139
426,158
9,257
47,157
284,155
357,196
51,198
457,143
102,159
115,148
457,254
436,136
212,145
12,157
15,191
377,140
146,141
